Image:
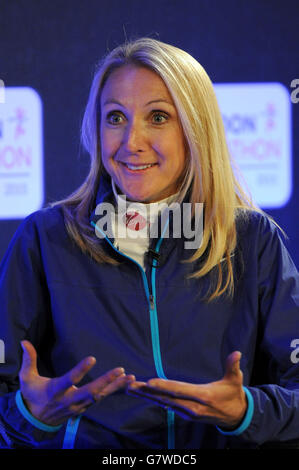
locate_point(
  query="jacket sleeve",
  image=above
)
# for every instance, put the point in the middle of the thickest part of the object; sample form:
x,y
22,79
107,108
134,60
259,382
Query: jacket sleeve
x,y
274,385
24,314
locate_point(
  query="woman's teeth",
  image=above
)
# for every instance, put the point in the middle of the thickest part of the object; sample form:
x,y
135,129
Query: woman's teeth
x,y
140,167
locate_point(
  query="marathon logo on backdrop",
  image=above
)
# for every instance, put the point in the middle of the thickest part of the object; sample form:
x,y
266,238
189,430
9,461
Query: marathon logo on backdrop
x,y
257,120
21,153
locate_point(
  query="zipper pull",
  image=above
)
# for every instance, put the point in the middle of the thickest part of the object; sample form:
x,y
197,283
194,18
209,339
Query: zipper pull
x,y
152,302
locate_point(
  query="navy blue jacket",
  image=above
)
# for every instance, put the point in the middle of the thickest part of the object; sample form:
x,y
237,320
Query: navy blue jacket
x,y
152,323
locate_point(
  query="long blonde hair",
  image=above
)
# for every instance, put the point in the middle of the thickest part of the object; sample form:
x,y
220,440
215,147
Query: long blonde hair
x,y
209,174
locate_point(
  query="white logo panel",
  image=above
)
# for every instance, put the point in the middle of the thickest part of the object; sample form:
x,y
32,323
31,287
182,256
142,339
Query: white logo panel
x,y
257,119
21,153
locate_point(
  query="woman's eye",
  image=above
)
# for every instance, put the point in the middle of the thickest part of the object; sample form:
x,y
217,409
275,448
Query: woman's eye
x,y
159,118
114,118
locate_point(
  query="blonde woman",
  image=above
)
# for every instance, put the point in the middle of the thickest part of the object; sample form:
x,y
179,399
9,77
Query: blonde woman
x,y
196,341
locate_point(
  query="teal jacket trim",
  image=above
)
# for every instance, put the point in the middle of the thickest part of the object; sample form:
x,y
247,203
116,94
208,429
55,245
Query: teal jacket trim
x,y
29,417
70,433
247,418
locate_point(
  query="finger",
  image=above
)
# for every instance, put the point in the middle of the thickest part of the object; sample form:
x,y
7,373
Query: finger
x,y
173,388
162,398
101,387
93,396
232,366
29,360
135,385
117,384
74,376
143,392
186,408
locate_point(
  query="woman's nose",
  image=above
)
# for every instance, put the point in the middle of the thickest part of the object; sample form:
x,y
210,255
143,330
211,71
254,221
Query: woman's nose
x,y
135,138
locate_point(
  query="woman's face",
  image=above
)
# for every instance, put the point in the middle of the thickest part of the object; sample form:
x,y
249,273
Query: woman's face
x,y
142,142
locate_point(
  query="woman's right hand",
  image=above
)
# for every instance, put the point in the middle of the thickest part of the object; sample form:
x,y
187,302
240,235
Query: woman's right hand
x,y
53,401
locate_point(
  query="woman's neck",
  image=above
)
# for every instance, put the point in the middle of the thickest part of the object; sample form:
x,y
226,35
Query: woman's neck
x,y
166,200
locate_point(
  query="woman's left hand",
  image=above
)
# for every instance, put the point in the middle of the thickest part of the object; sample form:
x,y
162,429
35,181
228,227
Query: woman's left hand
x,y
222,403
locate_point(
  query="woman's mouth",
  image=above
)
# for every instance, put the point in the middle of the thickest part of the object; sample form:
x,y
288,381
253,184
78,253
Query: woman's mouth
x,y
138,168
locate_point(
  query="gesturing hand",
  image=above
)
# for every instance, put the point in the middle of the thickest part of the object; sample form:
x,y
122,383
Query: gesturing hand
x,y
222,403
52,401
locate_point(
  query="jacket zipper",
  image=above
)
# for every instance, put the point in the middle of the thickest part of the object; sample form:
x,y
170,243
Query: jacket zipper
x,y
152,301
154,328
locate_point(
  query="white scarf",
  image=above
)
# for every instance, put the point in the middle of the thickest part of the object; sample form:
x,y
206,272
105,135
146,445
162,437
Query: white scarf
x,y
131,225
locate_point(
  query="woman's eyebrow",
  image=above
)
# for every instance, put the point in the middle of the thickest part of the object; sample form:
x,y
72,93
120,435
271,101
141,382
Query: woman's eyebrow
x,y
111,100
159,100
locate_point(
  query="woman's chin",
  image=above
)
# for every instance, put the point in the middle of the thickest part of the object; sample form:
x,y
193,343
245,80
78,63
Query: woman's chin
x,y
138,196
